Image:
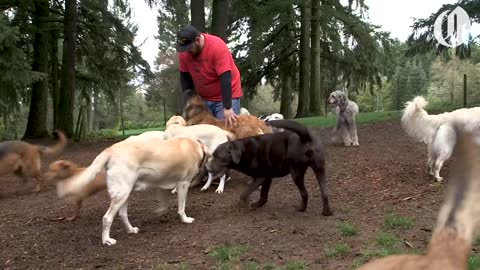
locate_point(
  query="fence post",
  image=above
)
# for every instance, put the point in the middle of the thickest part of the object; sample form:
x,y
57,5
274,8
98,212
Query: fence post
x,y
464,90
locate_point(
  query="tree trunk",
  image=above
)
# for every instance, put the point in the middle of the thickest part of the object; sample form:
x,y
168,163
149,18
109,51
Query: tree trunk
x,y
304,72
286,90
287,67
95,113
220,18
197,11
89,124
315,80
54,77
37,116
67,92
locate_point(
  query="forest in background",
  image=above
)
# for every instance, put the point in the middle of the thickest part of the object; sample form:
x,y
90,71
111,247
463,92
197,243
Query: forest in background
x,y
73,65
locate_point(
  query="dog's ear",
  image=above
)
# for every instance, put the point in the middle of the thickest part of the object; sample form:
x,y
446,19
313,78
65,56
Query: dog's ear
x,y
343,97
235,152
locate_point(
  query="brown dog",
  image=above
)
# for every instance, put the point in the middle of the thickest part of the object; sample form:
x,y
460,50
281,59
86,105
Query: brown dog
x,y
457,222
196,112
23,159
61,173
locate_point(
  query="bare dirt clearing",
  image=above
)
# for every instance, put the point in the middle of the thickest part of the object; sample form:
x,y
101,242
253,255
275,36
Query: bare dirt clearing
x,y
386,174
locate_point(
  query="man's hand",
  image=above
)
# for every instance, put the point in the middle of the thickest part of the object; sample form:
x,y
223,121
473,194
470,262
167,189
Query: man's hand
x,y
230,117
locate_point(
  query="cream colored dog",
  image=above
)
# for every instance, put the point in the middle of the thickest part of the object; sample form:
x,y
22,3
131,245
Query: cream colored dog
x,y
435,130
148,135
212,136
140,164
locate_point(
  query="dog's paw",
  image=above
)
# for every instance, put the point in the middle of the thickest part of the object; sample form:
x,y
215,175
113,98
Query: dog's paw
x,y
161,211
203,188
243,204
258,204
356,144
109,241
187,220
219,190
134,230
327,212
174,191
439,179
72,218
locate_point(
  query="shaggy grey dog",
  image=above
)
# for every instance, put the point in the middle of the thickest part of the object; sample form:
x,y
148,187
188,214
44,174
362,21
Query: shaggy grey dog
x,y
346,111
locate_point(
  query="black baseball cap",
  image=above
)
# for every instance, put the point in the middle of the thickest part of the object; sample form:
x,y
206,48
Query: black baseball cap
x,y
186,37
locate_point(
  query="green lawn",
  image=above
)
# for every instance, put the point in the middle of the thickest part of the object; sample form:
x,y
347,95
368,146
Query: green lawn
x,y
362,118
318,121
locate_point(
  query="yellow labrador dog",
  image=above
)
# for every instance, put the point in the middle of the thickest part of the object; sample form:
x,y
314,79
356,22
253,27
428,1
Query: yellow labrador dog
x,y
140,164
212,136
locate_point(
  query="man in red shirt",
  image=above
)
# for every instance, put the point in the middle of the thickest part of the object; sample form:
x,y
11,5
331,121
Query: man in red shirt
x,y
206,65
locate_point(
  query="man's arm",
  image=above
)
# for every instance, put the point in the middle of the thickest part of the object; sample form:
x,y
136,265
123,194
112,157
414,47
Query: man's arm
x,y
186,81
226,85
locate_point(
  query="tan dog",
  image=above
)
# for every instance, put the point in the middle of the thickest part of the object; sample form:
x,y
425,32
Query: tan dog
x,y
196,112
61,172
458,219
140,164
23,159
212,136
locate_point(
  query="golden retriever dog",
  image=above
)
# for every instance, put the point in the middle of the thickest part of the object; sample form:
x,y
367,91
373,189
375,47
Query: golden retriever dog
x,y
141,164
196,112
23,159
61,173
458,219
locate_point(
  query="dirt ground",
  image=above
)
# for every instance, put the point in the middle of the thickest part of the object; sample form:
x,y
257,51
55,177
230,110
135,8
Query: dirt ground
x,y
385,172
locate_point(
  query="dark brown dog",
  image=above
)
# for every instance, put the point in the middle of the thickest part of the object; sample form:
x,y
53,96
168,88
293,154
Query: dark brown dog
x,y
196,112
267,156
61,172
23,159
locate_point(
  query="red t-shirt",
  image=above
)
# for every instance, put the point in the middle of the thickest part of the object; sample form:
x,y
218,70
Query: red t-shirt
x,y
207,67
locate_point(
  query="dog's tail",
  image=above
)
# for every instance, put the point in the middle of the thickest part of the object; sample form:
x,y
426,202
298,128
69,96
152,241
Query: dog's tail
x,y
89,174
417,123
294,126
56,148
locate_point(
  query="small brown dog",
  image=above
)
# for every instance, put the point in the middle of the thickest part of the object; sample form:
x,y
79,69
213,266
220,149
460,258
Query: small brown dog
x,y
457,224
23,159
196,112
61,173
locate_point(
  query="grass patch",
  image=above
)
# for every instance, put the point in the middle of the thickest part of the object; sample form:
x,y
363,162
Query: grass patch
x,y
347,229
387,243
393,221
339,250
362,118
294,266
388,240
474,262
228,253
373,254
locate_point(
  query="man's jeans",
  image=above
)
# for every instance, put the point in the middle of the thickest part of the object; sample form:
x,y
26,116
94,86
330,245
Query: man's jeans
x,y
216,107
